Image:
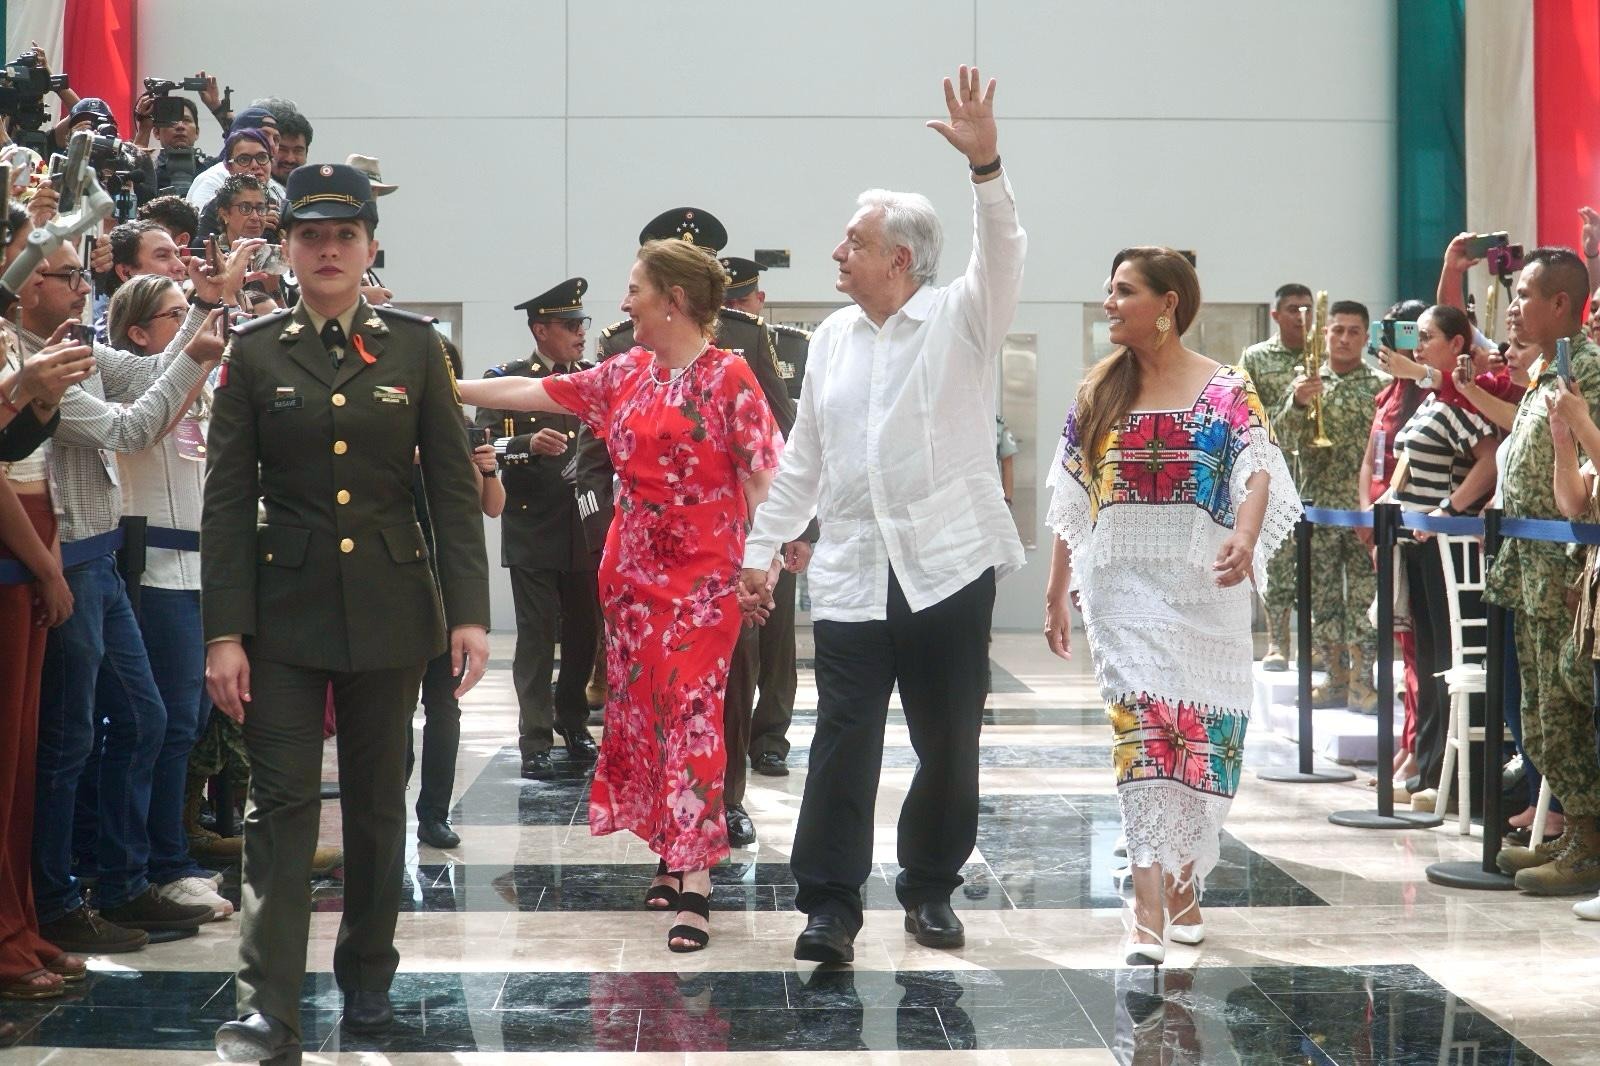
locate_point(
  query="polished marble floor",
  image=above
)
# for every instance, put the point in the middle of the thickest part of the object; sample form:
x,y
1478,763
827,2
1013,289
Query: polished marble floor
x,y
527,944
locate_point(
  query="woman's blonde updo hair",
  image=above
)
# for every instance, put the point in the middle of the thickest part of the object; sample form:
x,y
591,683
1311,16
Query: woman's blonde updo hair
x,y
678,264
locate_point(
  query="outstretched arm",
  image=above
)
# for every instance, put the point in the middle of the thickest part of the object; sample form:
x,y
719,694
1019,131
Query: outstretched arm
x,y
510,394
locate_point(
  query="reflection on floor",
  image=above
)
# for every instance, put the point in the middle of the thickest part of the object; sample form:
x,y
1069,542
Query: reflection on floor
x,y
528,943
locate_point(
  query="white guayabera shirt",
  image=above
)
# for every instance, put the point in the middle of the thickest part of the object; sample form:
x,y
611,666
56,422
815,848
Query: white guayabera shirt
x,y
894,446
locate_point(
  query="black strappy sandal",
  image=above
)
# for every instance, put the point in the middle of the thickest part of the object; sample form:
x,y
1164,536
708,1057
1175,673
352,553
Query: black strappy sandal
x,y
694,903
665,893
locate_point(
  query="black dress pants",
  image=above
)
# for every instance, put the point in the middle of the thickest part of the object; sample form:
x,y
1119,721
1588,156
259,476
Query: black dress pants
x,y
441,740
939,657
552,606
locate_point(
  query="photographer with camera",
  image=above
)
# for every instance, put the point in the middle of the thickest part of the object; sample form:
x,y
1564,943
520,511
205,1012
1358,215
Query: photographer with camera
x,y
175,121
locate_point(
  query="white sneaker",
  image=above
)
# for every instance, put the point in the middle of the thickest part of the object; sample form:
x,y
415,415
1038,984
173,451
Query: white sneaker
x,y
1589,909
194,892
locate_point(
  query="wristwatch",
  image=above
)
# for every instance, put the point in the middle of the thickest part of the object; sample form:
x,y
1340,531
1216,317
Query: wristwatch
x,y
1426,381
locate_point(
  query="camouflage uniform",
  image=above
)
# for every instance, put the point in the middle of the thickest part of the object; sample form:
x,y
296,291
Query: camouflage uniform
x,y
1342,580
1270,365
1532,578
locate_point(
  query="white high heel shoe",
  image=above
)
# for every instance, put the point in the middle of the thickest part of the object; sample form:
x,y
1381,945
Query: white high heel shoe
x,y
1141,953
1187,934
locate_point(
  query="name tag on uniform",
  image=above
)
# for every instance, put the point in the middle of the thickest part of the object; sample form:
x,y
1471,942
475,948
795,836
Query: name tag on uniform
x,y
391,394
284,398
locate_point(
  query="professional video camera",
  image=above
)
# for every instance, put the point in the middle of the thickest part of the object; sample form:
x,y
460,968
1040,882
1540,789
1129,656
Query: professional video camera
x,y
164,109
119,165
24,84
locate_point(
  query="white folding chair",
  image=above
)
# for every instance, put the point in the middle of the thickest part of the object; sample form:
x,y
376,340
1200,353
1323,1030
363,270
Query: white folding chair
x,y
1541,812
1462,560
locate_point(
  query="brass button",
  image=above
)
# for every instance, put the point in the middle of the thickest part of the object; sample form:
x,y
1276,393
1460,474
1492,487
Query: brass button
x,y
338,399
347,545
269,557
572,433
419,553
344,496
340,447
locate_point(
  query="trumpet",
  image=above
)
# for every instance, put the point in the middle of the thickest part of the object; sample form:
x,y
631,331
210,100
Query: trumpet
x,y
1316,352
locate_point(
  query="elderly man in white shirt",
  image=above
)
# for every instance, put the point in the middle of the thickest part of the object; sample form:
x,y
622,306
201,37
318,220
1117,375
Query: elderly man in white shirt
x,y
893,451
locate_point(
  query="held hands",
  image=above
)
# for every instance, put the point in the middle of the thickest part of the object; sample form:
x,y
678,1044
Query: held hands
x,y
228,677
483,458
57,367
469,656
755,593
971,129
42,208
52,601
1234,558
100,258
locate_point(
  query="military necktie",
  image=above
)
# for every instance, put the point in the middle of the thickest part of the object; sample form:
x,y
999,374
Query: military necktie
x,y
333,340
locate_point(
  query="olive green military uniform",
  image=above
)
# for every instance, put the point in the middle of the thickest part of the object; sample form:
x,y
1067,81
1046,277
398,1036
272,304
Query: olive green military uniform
x,y
1270,365
747,334
774,710
333,588
1532,578
542,543
1343,583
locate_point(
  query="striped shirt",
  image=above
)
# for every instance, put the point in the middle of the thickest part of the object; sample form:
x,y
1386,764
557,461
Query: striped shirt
x,y
1437,442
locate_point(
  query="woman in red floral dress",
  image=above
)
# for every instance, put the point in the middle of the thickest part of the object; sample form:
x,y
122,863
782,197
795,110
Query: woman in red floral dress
x,y
695,447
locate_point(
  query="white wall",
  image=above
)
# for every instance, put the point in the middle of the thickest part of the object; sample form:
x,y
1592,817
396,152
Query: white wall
x,y
532,139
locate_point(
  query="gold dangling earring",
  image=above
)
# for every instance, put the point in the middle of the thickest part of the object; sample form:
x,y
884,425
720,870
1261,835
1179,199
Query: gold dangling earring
x,y
1163,327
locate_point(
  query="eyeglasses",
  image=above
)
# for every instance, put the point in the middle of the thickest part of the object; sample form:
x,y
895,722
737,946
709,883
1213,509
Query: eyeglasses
x,y
574,325
259,158
251,209
73,279
174,313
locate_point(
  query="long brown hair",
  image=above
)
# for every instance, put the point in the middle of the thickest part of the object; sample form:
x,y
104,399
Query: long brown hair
x,y
1109,388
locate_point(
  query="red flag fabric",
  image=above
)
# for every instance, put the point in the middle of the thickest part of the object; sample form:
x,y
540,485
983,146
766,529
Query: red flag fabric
x,y
98,54
1566,107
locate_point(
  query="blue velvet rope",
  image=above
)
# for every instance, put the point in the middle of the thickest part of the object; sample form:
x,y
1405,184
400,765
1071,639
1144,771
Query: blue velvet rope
x,y
1558,531
78,552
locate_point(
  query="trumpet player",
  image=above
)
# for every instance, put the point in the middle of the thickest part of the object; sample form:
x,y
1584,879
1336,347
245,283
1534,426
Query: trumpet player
x,y
1342,581
1271,367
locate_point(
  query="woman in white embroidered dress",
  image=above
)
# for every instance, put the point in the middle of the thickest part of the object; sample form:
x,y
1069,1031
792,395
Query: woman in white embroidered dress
x,y
1170,496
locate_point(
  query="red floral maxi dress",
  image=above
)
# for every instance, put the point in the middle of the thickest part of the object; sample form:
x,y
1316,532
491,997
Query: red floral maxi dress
x,y
682,451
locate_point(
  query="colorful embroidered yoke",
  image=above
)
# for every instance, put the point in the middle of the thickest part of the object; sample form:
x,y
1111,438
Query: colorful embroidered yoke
x,y
1171,649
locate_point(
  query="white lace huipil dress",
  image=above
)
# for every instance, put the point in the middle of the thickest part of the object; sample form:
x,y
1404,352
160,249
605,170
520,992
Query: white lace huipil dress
x,y
1172,650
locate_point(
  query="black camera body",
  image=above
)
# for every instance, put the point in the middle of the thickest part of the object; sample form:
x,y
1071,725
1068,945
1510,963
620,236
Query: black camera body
x,y
164,110
23,86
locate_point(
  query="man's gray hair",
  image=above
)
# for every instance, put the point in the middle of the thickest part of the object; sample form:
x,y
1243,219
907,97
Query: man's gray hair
x,y
909,220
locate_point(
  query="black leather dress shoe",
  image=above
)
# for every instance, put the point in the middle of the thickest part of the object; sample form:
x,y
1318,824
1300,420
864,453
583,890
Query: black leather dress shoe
x,y
741,830
437,834
367,1012
935,925
538,765
580,745
826,939
257,1038
770,764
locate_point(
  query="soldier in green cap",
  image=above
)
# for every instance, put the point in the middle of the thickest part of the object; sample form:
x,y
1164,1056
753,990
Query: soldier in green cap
x,y
1271,367
319,416
542,540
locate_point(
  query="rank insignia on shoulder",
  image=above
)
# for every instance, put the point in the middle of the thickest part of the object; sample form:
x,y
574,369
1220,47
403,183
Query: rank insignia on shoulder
x,y
376,325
